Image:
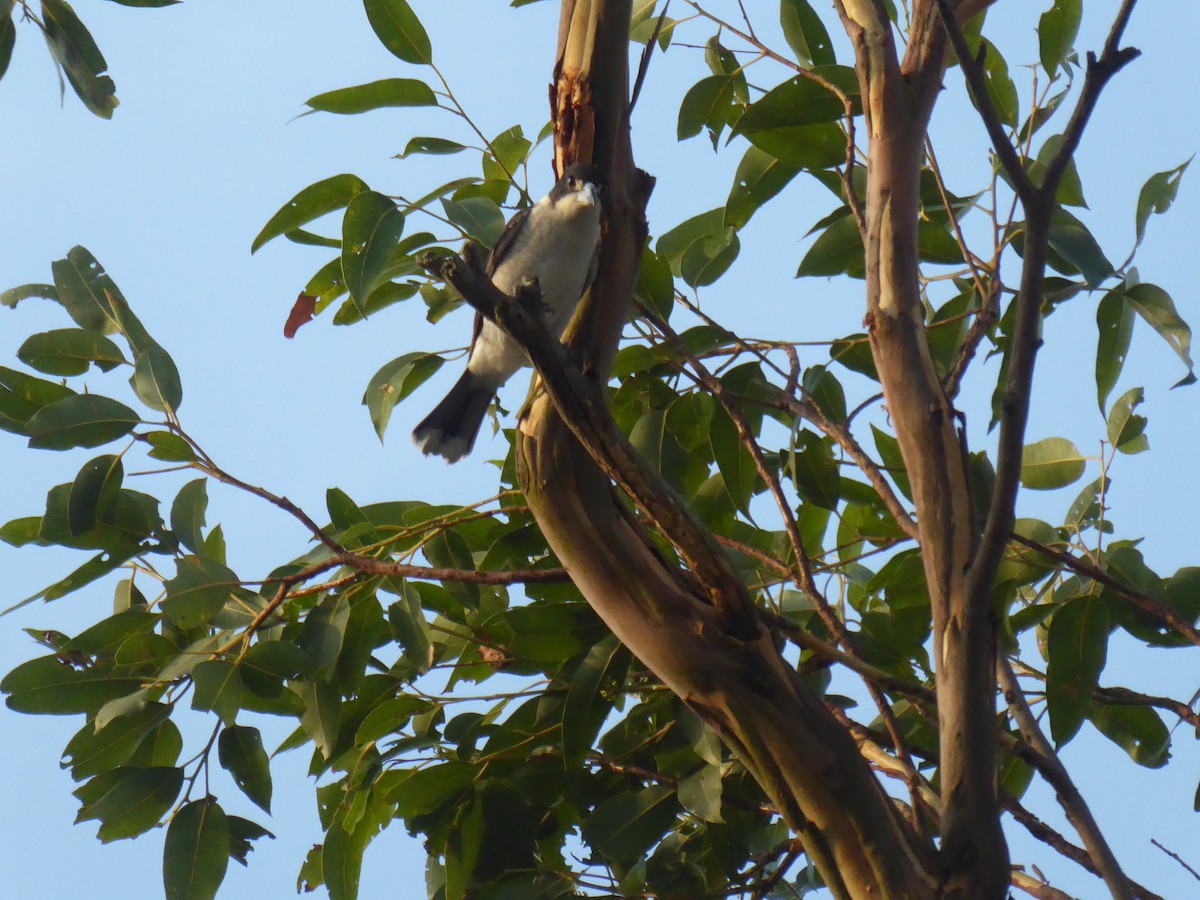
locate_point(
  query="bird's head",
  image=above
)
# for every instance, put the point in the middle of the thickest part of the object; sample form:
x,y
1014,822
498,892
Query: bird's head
x,y
583,185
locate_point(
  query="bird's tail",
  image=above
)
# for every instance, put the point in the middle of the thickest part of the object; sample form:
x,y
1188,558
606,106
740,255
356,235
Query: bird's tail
x,y
450,430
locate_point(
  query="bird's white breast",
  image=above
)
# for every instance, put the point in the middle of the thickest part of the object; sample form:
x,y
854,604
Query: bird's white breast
x,y
556,246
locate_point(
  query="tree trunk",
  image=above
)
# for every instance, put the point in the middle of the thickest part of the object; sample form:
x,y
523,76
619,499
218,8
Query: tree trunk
x,y
805,761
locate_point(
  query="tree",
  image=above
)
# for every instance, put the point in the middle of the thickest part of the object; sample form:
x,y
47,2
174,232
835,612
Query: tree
x,y
707,602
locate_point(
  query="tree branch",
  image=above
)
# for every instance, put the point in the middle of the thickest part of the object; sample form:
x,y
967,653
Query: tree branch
x,y
1068,795
581,404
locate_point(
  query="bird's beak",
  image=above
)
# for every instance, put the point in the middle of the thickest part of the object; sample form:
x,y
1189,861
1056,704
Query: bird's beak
x,y
588,195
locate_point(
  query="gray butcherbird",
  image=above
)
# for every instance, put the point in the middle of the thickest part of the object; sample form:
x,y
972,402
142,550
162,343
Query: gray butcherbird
x,y
557,242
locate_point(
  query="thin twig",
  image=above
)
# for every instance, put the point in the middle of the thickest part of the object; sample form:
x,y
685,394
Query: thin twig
x,y
1175,856
1068,795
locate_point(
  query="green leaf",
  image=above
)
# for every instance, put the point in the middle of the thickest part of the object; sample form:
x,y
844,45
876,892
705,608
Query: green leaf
x,y
1157,195
371,229
1057,30
93,493
240,750
805,33
673,244
407,622
377,94
712,103
322,702
801,101
1077,647
8,39
128,801
1155,305
395,381
709,258
22,395
156,379
586,708
69,351
81,420
200,589
700,794
1125,430
628,824
314,201
477,217
75,50
759,177
169,447
1071,239
1051,463
838,250
187,514
86,291
217,687
399,29
814,470
13,296
196,851
1114,318
1138,730
433,146
93,751
50,685
241,833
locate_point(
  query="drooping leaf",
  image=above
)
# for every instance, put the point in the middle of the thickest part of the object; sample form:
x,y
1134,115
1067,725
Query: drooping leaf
x,y
1077,646
1155,305
196,851
75,50
399,29
713,103
805,33
586,707
395,381
187,514
1074,243
314,201
1114,318
371,229
240,751
759,177
217,687
1125,428
156,379
1157,195
1057,29
94,492
376,95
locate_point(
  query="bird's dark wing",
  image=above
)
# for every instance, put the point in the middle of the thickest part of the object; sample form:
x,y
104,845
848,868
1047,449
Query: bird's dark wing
x,y
503,245
505,241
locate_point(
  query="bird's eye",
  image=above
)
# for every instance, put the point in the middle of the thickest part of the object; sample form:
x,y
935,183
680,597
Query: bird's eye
x,y
572,183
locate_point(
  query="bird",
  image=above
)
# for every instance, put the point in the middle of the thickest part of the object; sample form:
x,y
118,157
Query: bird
x,y
557,242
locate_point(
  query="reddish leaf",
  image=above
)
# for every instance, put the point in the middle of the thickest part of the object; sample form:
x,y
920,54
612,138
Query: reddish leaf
x,y
301,314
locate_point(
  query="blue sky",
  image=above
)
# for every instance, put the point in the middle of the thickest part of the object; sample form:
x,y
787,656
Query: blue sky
x,y
204,148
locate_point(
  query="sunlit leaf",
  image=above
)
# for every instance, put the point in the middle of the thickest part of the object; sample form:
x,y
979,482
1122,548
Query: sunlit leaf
x,y
81,420
399,29
377,94
1051,463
